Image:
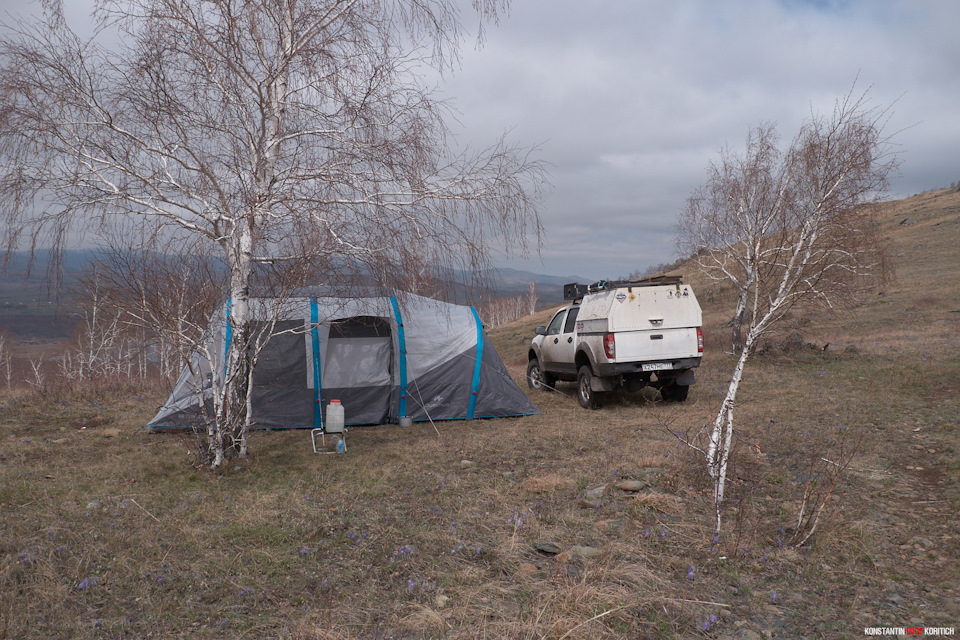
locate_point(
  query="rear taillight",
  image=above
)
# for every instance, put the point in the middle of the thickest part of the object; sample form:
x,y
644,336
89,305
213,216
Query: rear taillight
x,y
609,346
699,340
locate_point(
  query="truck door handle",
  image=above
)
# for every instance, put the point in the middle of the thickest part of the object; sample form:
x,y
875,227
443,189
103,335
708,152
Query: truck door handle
x,y
657,336
570,339
556,340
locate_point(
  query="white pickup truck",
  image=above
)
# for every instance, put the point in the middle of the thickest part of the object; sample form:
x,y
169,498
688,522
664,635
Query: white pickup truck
x,y
621,334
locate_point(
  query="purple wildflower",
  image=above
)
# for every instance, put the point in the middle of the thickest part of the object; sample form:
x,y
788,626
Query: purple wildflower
x,y
713,618
706,625
690,573
84,584
773,597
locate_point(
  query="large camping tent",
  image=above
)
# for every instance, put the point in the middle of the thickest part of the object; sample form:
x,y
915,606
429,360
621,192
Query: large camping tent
x,y
383,357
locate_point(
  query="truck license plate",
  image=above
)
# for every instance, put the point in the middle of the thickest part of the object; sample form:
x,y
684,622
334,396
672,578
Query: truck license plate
x,y
656,366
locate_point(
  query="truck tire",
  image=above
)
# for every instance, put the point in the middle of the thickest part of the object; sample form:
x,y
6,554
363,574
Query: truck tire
x,y
674,392
537,378
589,399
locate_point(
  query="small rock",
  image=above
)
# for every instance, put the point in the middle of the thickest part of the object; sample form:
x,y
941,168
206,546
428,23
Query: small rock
x,y
610,524
527,569
441,600
467,464
585,552
748,634
93,505
547,547
595,493
926,543
587,504
895,599
632,485
238,468
111,433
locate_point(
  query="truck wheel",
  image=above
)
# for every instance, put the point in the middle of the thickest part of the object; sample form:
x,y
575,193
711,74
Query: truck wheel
x,y
674,392
537,379
589,399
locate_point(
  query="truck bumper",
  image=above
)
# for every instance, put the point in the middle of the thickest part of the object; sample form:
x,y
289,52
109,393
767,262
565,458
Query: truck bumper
x,y
618,368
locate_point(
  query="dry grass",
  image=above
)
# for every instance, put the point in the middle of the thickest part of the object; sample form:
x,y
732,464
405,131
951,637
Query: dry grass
x,y
119,536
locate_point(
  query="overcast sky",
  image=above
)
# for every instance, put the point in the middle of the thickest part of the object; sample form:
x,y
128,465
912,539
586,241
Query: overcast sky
x,y
629,100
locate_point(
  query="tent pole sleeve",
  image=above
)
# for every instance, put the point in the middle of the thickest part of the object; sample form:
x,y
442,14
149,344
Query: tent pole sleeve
x,y
317,378
402,348
475,386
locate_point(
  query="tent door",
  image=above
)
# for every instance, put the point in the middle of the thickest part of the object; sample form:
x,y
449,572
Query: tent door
x,y
358,369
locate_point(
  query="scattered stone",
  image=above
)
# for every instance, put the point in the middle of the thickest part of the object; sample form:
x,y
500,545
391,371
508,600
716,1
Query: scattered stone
x,y
111,433
895,599
547,547
585,552
93,505
632,485
467,464
441,600
588,504
527,569
238,468
59,441
926,543
610,524
595,493
906,222
748,634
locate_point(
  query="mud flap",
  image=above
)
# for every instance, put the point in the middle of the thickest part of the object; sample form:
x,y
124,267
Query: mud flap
x,y
686,378
601,384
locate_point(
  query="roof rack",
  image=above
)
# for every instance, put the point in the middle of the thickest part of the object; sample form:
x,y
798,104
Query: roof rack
x,y
576,291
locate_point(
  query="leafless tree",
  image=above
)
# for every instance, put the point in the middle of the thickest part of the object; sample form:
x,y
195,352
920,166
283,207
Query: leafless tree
x,y
532,298
6,359
163,291
274,129
789,226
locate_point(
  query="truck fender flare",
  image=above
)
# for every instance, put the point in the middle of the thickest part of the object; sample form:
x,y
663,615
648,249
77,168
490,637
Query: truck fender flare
x,y
591,361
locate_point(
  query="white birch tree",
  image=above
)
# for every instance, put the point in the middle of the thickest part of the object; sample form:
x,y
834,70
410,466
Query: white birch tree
x,y
271,128
786,227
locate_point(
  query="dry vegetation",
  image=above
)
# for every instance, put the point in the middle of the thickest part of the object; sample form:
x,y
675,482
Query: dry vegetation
x,y
109,532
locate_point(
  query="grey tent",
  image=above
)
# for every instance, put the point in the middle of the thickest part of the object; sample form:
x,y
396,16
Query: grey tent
x,y
383,357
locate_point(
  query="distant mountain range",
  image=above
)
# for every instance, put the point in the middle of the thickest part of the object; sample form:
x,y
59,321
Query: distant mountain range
x,y
32,295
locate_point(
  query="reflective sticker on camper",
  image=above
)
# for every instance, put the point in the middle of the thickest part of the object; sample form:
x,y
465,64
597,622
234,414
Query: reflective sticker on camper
x,y
621,296
632,296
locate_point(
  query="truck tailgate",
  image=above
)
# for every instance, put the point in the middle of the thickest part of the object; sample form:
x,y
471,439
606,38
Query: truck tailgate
x,y
656,344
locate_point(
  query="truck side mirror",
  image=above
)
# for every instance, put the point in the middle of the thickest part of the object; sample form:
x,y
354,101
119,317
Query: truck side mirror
x,y
541,330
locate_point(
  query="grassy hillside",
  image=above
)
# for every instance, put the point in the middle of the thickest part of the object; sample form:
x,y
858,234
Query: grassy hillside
x,y
444,531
